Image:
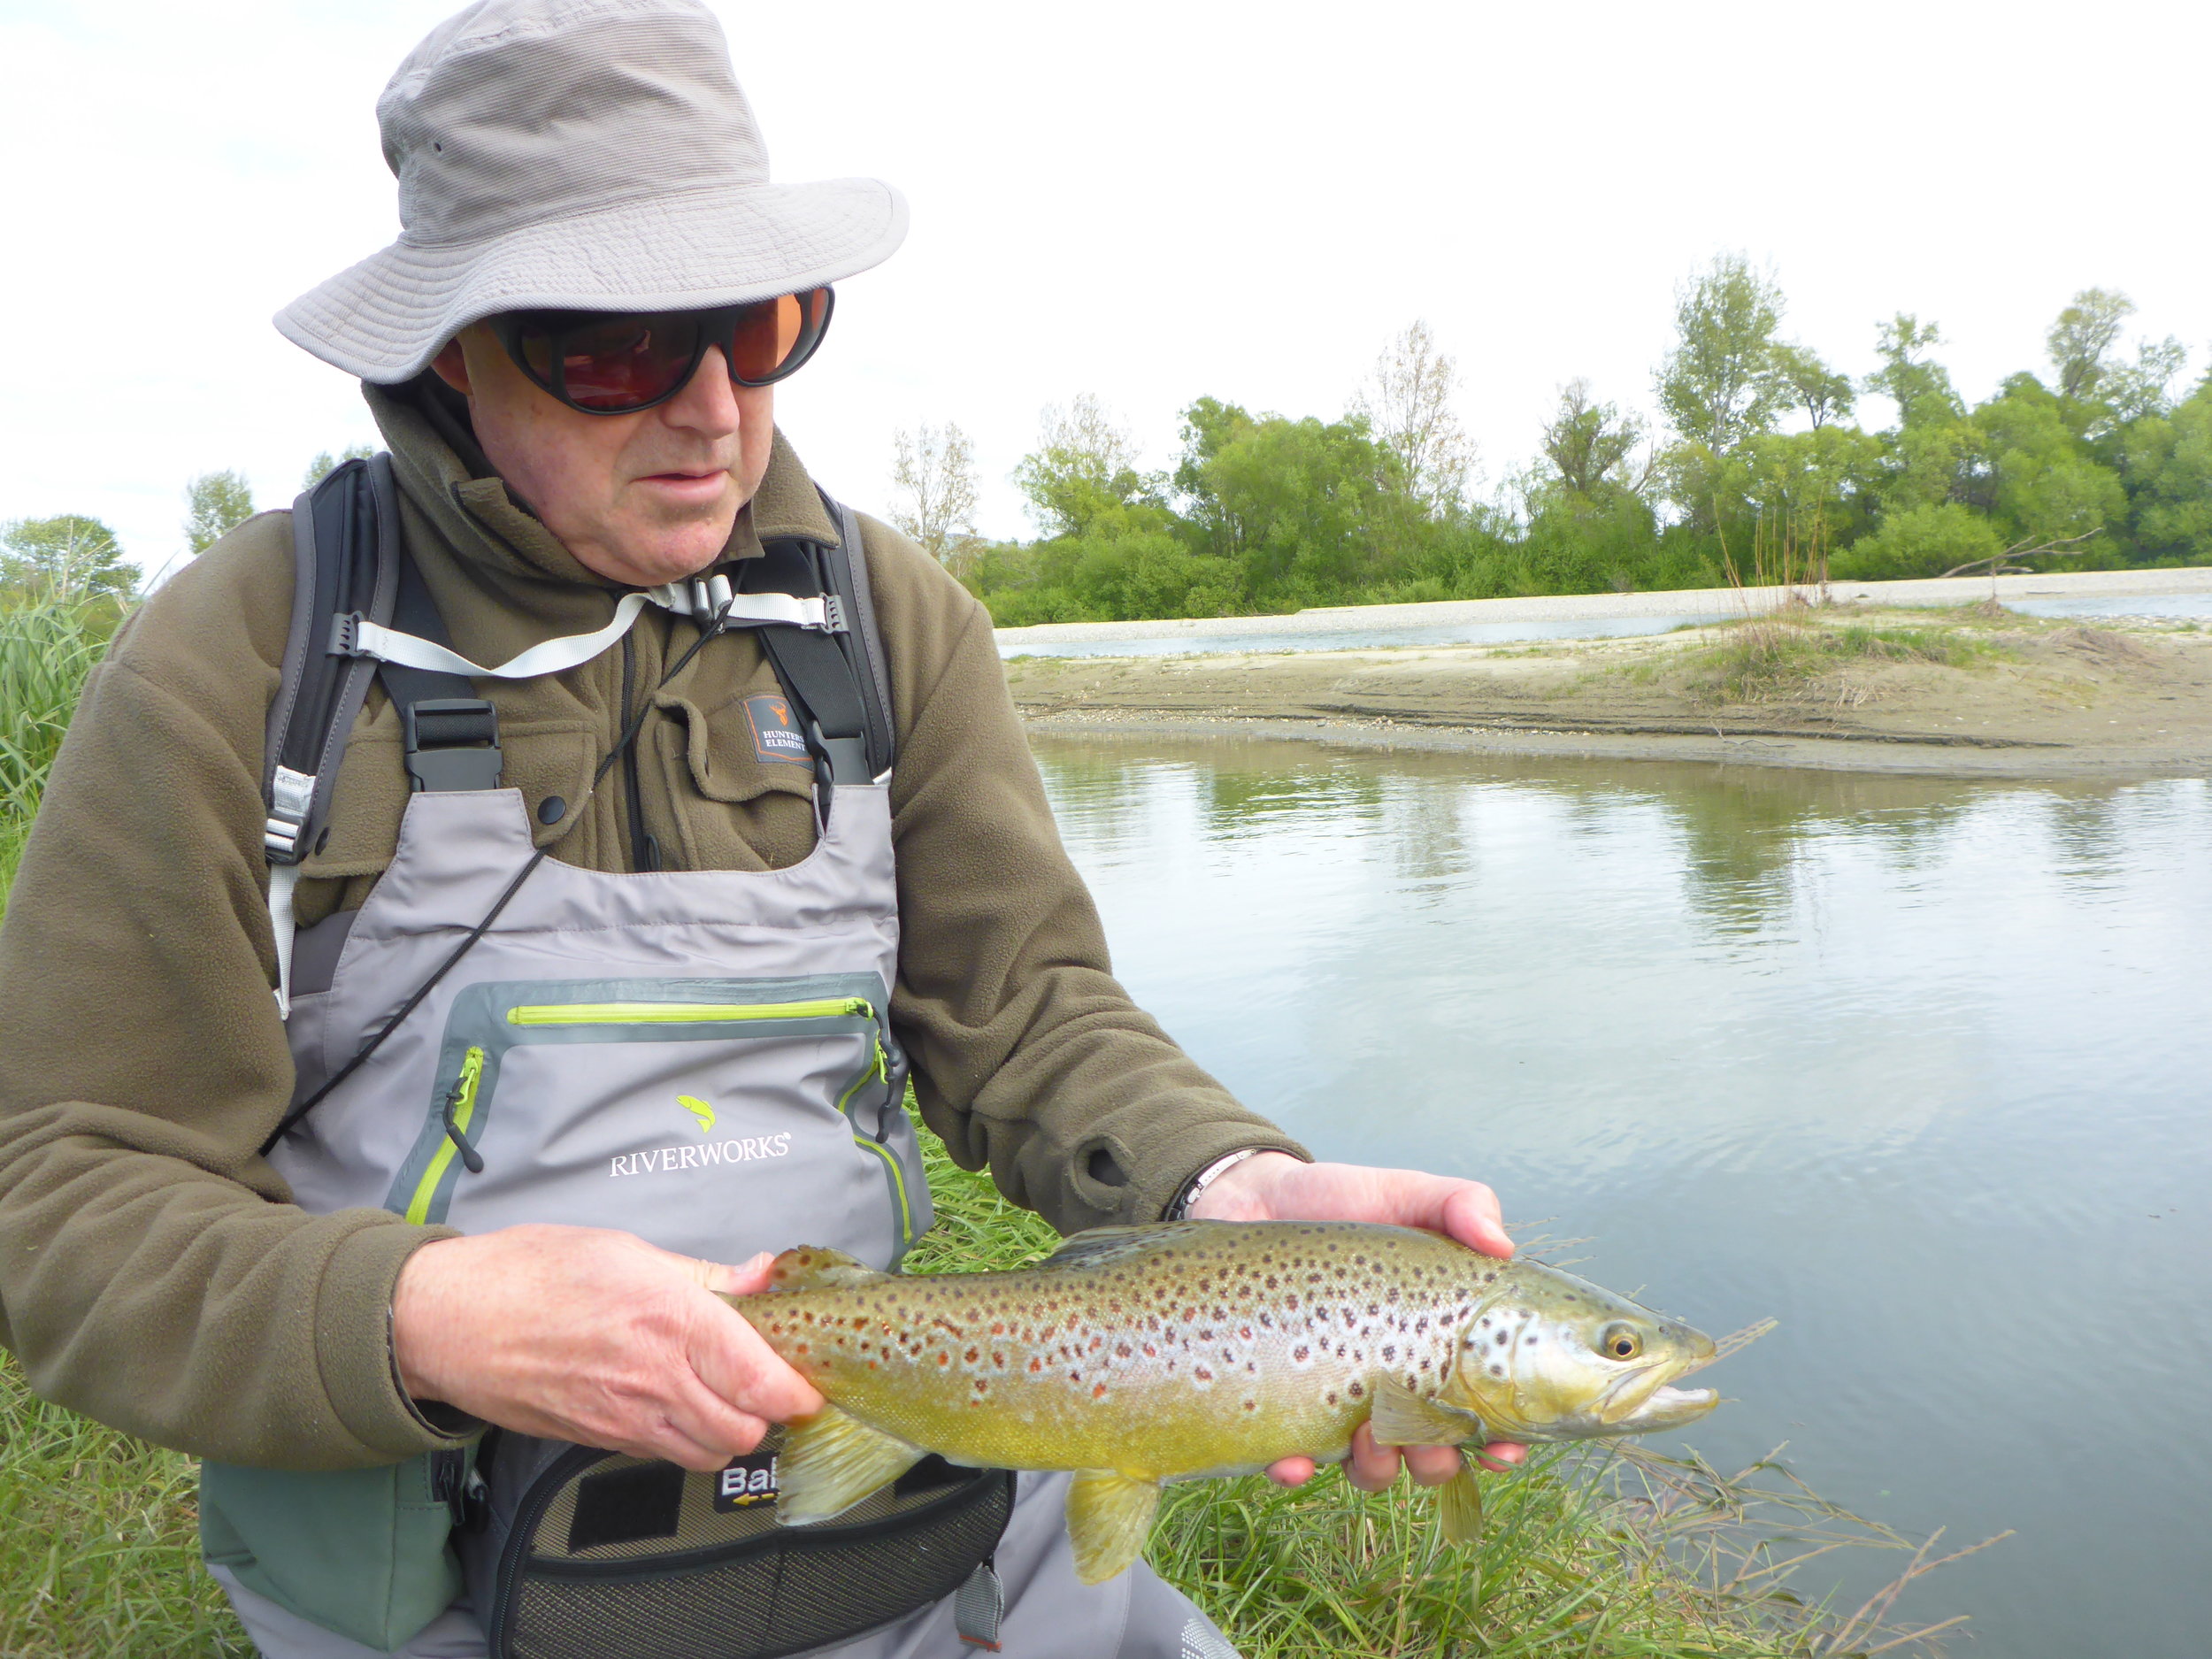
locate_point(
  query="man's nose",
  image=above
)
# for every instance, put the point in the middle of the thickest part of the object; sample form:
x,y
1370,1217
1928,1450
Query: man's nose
x,y
707,404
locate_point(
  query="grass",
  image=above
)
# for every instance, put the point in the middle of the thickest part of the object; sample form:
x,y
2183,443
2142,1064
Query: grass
x,y
1772,658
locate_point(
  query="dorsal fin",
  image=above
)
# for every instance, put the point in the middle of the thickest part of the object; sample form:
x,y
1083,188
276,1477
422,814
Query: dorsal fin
x,y
818,1267
1097,1246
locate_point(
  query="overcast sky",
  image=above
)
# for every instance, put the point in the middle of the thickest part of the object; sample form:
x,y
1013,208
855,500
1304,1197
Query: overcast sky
x,y
1149,201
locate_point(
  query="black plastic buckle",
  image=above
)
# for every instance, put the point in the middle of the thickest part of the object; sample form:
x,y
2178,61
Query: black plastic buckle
x,y
847,757
452,743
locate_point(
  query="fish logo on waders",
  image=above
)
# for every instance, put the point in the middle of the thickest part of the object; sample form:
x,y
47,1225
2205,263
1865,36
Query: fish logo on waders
x,y
699,1110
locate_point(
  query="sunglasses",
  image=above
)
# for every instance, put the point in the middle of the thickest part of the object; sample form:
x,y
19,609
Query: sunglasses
x,y
605,363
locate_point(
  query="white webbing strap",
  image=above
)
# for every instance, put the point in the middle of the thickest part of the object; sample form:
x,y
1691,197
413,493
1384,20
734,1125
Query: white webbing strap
x,y
363,638
282,879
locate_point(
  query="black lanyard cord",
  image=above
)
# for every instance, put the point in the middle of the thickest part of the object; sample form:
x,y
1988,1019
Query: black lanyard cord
x,y
622,743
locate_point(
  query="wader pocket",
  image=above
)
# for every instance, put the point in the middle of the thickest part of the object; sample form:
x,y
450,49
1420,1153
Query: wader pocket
x,y
362,1552
713,1117
593,1555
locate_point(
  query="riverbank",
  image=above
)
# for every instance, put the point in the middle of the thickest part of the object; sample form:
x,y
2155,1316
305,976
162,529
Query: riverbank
x,y
1962,691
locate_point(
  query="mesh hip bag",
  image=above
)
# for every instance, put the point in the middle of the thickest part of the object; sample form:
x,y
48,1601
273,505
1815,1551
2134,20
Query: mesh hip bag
x,y
575,1552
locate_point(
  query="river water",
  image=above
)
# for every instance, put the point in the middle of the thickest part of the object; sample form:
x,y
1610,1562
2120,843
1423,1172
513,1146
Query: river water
x,y
1922,1068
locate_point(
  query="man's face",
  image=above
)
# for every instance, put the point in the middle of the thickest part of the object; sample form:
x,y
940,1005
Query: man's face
x,y
644,498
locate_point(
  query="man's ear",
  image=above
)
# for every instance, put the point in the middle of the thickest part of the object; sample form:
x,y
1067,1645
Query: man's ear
x,y
451,367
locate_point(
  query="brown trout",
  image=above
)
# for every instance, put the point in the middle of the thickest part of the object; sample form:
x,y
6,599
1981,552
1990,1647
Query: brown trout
x,y
1135,1355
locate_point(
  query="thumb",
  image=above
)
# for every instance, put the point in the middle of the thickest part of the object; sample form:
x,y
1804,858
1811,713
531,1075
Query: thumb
x,y
742,1280
1470,1216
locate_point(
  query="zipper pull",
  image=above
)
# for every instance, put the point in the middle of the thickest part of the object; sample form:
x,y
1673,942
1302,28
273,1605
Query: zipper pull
x,y
471,1160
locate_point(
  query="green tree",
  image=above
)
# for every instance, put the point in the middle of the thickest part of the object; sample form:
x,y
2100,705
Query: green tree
x,y
1823,393
2169,480
2084,333
1308,510
1919,386
1084,465
1588,446
2133,390
216,503
1720,384
325,462
2045,484
67,557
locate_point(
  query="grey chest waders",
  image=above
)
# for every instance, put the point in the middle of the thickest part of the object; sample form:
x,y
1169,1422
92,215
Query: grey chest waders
x,y
702,1058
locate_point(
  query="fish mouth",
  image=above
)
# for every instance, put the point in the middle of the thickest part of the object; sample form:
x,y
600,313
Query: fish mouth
x,y
1666,1408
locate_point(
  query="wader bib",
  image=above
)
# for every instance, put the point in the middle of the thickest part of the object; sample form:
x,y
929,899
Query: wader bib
x,y
700,1058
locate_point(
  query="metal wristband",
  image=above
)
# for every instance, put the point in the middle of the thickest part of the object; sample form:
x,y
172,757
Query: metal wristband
x,y
1180,1210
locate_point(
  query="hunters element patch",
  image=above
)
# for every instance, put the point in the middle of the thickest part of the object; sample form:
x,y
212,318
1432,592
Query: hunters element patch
x,y
698,1109
776,736
748,1481
663,1160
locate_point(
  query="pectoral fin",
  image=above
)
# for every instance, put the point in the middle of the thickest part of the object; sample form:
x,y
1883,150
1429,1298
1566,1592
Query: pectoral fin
x,y
1459,1508
1401,1418
1109,1515
830,1462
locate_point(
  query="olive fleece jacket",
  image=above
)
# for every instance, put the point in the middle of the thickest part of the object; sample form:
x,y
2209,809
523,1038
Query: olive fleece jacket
x,y
153,1273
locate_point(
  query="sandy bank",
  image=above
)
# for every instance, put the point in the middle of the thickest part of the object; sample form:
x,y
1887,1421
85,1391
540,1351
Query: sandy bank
x,y
1955,695
1597,607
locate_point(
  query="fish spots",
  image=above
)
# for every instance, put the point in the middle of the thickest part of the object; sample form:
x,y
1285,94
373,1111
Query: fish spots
x,y
1123,1351
1036,1366
1497,1371
1098,1391
1302,1356
943,1358
981,1386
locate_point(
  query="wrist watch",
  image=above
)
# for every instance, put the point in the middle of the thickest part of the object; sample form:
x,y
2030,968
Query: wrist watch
x,y
1180,1210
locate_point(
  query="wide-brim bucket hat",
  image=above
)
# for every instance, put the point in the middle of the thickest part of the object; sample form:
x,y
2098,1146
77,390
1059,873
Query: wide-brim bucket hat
x,y
589,155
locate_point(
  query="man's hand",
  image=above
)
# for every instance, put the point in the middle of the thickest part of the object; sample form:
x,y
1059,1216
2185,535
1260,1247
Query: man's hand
x,y
1275,1186
594,1336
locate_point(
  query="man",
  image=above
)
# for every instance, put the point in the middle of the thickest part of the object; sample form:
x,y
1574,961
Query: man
x,y
570,353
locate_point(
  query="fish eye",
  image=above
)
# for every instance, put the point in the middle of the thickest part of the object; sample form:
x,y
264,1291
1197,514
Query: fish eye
x,y
1620,1342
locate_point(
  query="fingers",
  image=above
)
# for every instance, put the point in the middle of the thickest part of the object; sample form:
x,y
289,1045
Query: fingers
x,y
1462,1209
1291,1471
1432,1465
731,1360
1371,1468
1501,1456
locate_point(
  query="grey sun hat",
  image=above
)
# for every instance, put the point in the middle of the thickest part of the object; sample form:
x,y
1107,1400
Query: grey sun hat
x,y
588,154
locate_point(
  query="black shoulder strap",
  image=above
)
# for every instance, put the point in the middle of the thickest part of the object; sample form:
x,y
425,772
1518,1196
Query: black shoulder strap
x,y
348,561
344,544
837,677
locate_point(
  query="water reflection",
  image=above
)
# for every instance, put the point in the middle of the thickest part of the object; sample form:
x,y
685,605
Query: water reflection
x,y
1914,1064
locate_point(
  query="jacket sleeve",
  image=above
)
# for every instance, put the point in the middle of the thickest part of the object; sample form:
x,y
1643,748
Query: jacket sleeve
x,y
152,1273
1028,1054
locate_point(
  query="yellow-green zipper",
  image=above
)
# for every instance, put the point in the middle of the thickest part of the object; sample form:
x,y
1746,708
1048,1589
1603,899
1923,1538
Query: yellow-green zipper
x,y
464,1108
898,1185
687,1013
